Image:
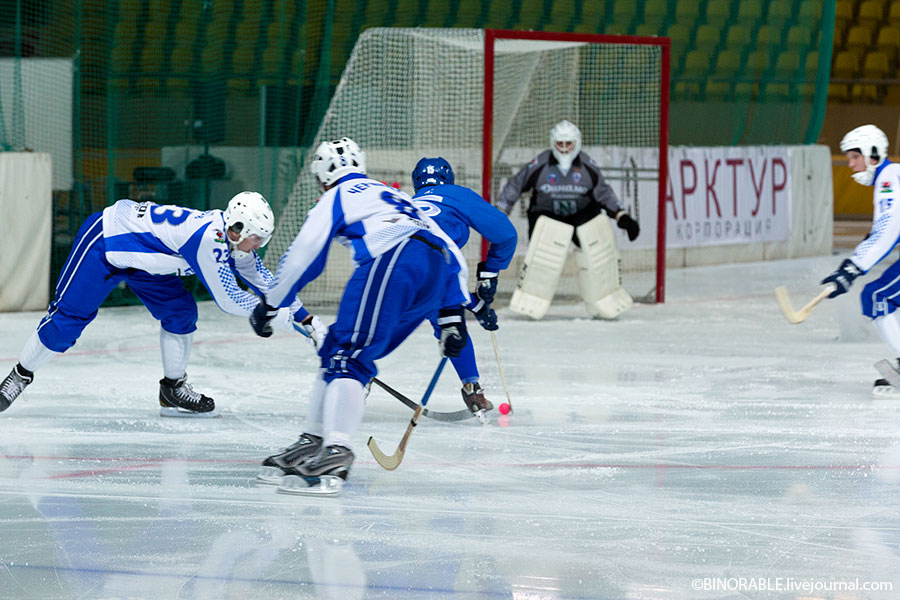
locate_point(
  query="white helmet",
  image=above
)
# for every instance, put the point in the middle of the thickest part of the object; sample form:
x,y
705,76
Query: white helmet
x,y
248,214
871,143
564,132
337,158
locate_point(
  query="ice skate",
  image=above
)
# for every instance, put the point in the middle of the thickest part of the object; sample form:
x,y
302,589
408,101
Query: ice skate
x,y
273,467
883,389
476,402
178,399
322,475
14,384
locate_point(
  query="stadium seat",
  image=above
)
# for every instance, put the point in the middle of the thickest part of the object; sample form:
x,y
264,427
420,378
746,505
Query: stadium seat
x,y
810,74
707,38
768,36
876,65
468,13
810,12
645,29
499,15
787,67
728,64
696,65
780,11
561,14
718,14
530,15
623,14
656,13
680,36
871,15
843,14
750,13
846,65
889,42
798,38
894,14
859,40
436,14
737,37
687,12
838,92
864,93
406,13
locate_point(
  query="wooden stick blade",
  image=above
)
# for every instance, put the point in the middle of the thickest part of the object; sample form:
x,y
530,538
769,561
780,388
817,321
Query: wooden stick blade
x,y
387,462
393,461
784,303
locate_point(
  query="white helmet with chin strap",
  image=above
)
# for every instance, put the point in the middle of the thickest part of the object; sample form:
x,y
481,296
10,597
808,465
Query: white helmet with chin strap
x,y
249,214
337,158
871,142
562,135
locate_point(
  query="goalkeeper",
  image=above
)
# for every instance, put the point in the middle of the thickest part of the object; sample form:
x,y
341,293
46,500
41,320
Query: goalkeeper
x,y
566,186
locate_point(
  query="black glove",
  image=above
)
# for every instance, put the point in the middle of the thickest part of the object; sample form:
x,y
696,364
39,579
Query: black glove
x,y
453,331
486,316
261,317
629,225
843,278
487,283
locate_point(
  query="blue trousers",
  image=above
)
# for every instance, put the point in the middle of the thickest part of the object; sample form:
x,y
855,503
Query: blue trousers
x,y
385,300
87,279
881,296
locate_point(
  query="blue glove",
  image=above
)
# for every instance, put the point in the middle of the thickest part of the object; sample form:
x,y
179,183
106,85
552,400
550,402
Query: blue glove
x,y
453,331
843,278
261,319
487,283
486,316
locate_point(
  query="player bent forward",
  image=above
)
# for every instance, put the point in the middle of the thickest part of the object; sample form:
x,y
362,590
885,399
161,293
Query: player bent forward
x,y
866,150
406,270
568,197
148,246
455,209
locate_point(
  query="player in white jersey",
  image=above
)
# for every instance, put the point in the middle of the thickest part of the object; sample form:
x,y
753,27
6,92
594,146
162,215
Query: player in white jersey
x,y
866,150
149,246
407,269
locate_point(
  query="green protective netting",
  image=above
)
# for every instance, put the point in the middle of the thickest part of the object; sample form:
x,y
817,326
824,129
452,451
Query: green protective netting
x,y
190,101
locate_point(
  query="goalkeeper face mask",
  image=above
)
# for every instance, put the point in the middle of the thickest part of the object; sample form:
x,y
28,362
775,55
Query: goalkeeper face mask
x,y
565,143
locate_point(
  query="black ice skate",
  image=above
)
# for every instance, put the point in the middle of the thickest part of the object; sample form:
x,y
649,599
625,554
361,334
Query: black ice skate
x,y
178,399
473,396
321,475
14,384
888,386
273,468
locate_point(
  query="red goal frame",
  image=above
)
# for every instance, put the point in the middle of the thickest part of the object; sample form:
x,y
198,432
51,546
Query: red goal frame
x,y
491,35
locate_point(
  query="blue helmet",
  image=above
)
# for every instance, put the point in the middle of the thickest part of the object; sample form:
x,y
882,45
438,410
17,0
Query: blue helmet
x,y
431,171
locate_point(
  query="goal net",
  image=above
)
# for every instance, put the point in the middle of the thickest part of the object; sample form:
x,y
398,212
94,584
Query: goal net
x,y
409,93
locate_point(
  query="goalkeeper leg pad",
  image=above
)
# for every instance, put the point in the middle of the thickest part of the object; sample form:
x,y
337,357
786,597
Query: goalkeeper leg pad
x,y
543,264
598,270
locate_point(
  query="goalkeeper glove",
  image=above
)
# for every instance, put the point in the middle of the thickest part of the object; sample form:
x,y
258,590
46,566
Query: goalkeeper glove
x,y
631,227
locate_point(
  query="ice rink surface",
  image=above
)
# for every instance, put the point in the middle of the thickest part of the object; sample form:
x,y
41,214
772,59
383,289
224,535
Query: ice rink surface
x,y
704,448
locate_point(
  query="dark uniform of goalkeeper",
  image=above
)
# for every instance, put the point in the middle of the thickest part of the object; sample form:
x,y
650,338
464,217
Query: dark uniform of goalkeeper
x,y
568,198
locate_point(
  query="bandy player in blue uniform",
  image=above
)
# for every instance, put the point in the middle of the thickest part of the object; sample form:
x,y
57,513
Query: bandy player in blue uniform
x,y
149,247
866,149
407,269
456,209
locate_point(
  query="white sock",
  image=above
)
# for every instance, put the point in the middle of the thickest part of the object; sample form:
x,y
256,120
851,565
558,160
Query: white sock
x,y
316,403
888,328
35,354
176,350
345,402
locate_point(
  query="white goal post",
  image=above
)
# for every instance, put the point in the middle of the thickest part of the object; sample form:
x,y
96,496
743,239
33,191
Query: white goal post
x,y
486,100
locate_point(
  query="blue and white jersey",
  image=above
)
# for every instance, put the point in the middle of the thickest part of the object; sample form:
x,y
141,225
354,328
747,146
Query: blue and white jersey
x,y
456,209
364,215
886,218
164,240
